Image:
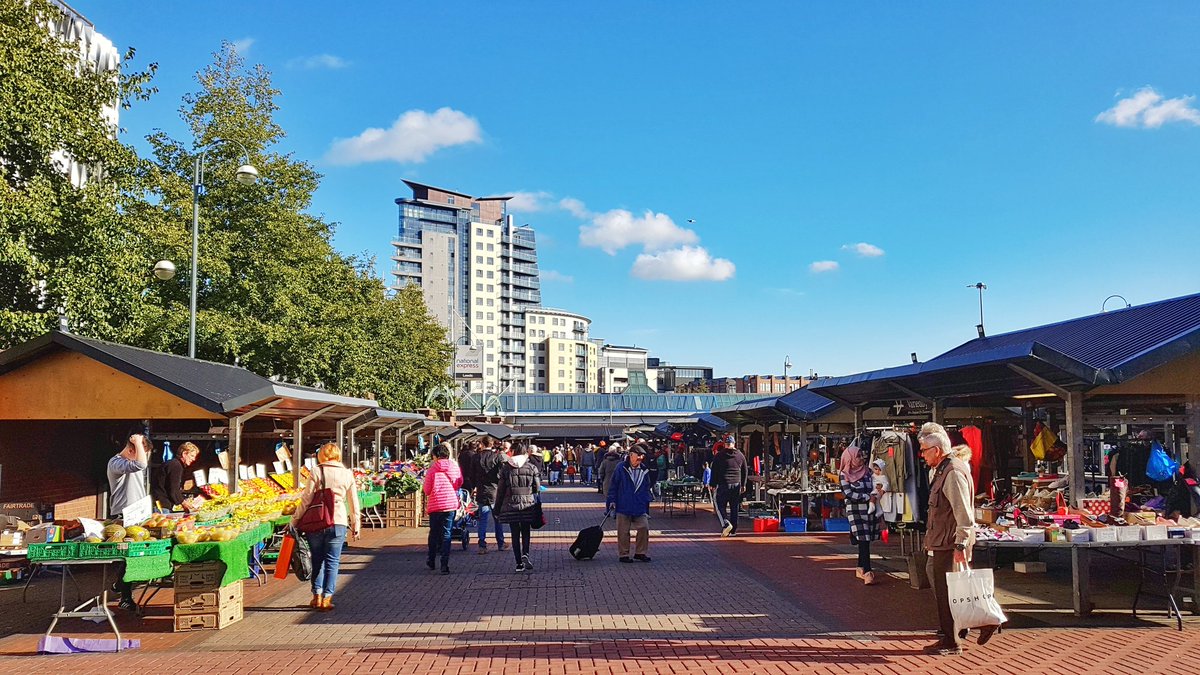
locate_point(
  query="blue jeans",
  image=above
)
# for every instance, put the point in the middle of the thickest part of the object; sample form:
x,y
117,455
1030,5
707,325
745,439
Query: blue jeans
x,y
485,514
326,548
587,471
440,523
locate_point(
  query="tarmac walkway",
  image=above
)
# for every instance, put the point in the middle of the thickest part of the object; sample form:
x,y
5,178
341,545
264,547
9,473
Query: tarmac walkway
x,y
752,604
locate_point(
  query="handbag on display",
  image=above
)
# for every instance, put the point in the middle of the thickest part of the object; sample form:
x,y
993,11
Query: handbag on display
x,y
319,514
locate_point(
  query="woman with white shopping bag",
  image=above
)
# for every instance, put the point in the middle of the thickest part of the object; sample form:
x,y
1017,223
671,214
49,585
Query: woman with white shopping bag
x,y
949,532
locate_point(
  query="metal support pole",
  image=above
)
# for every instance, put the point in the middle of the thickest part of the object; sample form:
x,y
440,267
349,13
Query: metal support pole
x,y
298,441
939,411
1193,431
235,441
341,427
1075,447
197,186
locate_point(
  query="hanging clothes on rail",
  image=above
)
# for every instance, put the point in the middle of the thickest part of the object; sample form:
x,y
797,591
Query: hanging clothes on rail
x,y
889,447
973,436
787,453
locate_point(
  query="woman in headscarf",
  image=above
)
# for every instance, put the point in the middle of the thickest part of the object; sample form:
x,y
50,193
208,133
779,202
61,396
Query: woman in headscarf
x,y
864,525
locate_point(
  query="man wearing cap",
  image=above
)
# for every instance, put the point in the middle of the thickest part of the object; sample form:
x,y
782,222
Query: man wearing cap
x,y
728,476
629,497
950,530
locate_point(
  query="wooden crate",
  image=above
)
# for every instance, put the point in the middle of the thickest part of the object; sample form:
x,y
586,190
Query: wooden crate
x,y
205,576
405,511
211,621
208,601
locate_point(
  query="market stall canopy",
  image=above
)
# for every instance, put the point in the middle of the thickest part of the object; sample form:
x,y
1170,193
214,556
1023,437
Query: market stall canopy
x,y
500,432
710,422
575,432
1079,354
64,376
799,405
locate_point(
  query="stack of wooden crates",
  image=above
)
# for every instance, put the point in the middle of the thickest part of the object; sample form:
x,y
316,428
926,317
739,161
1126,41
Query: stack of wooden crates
x,y
201,602
406,511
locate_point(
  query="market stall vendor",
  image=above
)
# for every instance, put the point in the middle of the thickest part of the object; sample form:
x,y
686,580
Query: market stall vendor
x,y
126,485
168,485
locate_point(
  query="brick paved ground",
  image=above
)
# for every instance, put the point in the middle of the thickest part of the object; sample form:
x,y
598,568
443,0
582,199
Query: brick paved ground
x,y
751,604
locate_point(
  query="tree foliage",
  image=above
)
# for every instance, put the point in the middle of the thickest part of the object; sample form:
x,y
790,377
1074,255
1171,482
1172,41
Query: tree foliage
x,y
63,247
274,296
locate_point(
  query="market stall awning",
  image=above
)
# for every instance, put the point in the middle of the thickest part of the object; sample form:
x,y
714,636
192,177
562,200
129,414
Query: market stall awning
x,y
799,405
574,432
1078,354
218,389
500,432
707,421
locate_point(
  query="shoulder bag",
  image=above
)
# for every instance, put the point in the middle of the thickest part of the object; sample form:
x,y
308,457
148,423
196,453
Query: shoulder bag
x,y
319,514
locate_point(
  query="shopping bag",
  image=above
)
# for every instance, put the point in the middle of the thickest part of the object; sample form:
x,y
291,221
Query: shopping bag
x,y
973,599
302,562
1160,467
285,556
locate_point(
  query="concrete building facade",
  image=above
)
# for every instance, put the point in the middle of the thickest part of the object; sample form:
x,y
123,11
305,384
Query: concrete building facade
x,y
559,356
619,365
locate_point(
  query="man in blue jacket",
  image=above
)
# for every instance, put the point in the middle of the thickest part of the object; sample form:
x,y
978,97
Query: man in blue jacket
x,y
629,496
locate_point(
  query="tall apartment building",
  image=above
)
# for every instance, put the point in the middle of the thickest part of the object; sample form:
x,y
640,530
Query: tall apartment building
x,y
559,356
671,377
746,384
479,275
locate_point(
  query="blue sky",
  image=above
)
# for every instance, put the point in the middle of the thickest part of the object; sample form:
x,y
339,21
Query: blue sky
x,y
1051,150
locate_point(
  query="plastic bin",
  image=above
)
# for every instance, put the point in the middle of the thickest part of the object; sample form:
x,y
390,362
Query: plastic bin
x,y
766,524
104,549
837,524
65,550
795,524
137,549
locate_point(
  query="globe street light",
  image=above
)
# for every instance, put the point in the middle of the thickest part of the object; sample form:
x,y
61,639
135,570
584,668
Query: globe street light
x,y
164,270
246,175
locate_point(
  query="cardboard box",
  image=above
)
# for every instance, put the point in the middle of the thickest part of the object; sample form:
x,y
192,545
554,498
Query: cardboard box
x,y
1029,567
1029,535
1154,532
1055,534
210,621
45,534
1128,532
1177,533
1103,533
12,539
987,515
208,601
1081,535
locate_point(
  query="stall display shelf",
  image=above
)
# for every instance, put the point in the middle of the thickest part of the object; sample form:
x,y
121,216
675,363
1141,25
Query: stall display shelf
x,y
55,551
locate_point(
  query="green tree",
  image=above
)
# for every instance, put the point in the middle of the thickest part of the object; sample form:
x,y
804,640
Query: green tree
x,y
64,245
275,296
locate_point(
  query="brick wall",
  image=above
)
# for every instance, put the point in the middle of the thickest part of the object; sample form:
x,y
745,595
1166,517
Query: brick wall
x,y
58,462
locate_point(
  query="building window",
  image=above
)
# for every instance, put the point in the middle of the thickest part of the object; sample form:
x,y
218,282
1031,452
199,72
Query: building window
x,y
449,199
491,330
479,301
541,373
479,231
491,260
479,260
491,274
491,316
541,359
562,347
491,371
491,357
541,319
478,247
491,247
561,373
479,273
491,302
478,315
479,287
491,343
561,361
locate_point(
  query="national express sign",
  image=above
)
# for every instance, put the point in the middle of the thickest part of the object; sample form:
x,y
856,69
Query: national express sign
x,y
468,363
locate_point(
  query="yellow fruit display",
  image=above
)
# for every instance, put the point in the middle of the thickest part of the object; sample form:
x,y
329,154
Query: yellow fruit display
x,y
137,533
113,533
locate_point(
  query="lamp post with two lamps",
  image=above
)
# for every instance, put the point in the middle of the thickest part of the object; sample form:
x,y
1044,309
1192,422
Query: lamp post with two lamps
x,y
246,175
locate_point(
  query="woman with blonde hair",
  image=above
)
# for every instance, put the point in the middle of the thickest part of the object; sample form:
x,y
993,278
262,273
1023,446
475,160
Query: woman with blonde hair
x,y
326,545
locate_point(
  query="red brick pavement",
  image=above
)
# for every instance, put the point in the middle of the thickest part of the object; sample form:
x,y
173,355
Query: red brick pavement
x,y
752,605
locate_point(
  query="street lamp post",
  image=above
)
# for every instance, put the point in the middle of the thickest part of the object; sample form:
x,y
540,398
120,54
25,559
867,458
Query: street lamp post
x,y
246,175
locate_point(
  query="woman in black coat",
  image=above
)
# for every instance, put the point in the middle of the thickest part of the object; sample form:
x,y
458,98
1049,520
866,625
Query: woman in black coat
x,y
517,502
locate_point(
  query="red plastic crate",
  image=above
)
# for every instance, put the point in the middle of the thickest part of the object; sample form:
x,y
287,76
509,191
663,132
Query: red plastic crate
x,y
766,524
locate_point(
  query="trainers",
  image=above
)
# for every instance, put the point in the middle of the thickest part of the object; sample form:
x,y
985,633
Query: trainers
x,y
429,564
528,565
127,604
483,551
626,559
727,530
501,547
520,567
642,558
445,570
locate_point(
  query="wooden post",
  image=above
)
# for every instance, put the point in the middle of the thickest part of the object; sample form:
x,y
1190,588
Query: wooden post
x,y
1074,441
858,418
939,411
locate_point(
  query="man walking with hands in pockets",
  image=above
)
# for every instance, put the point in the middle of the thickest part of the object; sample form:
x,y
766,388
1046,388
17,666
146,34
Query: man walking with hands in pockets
x,y
629,496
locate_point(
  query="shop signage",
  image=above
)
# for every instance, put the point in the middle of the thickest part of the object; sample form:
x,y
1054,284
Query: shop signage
x,y
468,363
137,512
910,408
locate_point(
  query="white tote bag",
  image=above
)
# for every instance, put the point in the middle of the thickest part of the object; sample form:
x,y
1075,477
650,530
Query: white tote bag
x,y
973,600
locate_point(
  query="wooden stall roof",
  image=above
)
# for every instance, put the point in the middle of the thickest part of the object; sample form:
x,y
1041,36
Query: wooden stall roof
x,y
74,377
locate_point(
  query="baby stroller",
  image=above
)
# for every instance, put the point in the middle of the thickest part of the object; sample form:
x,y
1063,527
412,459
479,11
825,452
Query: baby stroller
x,y
466,519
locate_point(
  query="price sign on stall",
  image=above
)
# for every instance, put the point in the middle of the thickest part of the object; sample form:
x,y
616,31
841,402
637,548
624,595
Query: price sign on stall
x,y
137,512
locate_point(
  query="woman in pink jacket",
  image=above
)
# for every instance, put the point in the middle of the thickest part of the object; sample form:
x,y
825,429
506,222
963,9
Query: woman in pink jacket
x,y
442,480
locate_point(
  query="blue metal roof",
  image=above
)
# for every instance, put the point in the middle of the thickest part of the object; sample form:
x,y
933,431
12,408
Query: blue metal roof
x,y
1094,350
797,405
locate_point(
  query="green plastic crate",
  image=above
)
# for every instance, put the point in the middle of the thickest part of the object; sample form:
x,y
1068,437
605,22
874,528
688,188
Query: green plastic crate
x,y
65,550
137,549
105,549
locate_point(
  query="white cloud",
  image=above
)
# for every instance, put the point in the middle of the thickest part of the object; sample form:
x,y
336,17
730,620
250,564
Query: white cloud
x,y
1148,109
575,207
686,263
319,62
864,249
552,275
243,46
413,137
618,228
529,202
822,266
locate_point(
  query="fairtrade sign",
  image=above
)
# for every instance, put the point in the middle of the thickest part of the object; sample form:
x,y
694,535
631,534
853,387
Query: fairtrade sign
x,y
468,363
